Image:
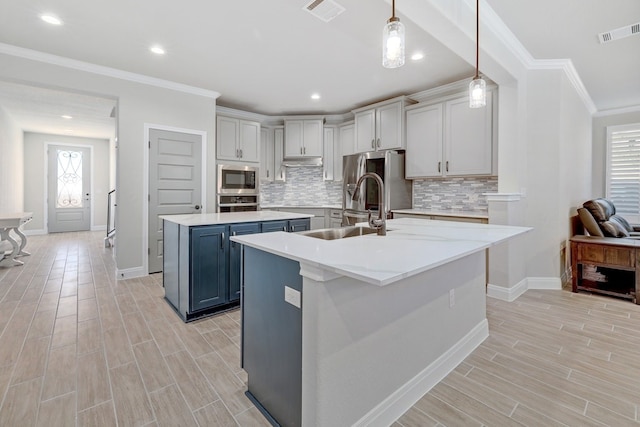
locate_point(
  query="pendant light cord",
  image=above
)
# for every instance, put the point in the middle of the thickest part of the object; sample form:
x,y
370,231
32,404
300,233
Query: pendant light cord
x,y
477,36
393,8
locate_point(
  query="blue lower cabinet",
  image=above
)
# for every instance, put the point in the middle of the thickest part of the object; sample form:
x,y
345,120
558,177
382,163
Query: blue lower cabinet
x,y
208,267
235,249
299,225
271,226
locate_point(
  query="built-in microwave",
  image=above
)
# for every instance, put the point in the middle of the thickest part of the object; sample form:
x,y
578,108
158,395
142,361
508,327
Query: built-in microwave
x,y
238,179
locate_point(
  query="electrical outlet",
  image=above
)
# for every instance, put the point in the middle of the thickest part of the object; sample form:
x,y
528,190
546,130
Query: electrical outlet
x,y
292,296
452,298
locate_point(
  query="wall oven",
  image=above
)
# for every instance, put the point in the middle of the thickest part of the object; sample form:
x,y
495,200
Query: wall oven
x,y
238,188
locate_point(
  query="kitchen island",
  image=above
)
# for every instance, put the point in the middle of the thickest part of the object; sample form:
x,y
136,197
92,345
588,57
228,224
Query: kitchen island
x,y
201,266
354,331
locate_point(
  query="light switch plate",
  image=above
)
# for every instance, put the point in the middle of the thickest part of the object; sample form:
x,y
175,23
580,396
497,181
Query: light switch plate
x,y
292,296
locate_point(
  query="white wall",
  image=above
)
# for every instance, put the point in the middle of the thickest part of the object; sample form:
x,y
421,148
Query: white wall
x,y
600,124
11,165
138,104
35,165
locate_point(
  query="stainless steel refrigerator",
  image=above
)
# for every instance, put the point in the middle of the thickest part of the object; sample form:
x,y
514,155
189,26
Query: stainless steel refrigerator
x,y
389,165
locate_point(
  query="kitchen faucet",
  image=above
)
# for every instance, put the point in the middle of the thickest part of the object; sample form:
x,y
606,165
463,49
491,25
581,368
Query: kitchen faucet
x,y
379,224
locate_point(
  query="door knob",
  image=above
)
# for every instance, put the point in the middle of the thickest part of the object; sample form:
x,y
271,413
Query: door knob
x,y
197,207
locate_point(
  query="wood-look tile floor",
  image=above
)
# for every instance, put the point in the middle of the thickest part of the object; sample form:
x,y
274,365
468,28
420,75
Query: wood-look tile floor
x,y
79,348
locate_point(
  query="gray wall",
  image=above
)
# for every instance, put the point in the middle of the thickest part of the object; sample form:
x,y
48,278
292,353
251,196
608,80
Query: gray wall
x,y
138,104
11,165
35,181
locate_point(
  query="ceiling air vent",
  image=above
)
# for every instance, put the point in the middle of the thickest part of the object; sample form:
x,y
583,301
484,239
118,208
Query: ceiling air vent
x,y
325,10
619,33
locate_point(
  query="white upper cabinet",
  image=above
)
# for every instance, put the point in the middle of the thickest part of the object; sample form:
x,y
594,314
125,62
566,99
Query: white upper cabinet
x,y
450,139
303,138
328,163
380,127
267,155
344,147
237,139
278,150
424,142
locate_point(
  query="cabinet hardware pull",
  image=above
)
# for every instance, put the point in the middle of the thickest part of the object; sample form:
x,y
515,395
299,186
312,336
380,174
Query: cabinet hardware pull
x,y
293,228
373,143
237,153
378,142
241,153
267,173
439,163
447,166
222,242
284,228
304,150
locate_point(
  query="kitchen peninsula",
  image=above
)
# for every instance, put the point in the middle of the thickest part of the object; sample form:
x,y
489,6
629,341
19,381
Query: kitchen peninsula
x,y
201,266
353,331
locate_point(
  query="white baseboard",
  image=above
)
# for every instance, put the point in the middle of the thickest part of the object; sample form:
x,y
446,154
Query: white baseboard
x,y
512,293
34,232
392,408
544,283
507,294
130,273
98,228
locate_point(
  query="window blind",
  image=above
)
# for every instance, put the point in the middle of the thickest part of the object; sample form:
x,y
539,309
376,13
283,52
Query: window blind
x,y
623,170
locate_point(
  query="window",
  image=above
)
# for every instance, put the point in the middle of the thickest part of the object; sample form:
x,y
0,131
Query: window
x,y
623,170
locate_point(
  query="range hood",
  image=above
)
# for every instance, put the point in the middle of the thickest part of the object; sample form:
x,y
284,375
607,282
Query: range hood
x,y
303,162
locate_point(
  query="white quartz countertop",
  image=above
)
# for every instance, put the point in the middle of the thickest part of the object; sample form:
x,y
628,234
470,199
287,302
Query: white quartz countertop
x,y
411,246
192,220
448,212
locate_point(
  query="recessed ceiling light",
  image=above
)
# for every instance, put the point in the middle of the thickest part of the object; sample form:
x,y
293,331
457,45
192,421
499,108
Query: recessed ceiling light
x,y
66,116
417,56
51,19
315,96
158,50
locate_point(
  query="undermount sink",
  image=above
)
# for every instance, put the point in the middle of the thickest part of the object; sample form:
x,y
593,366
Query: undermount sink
x,y
338,233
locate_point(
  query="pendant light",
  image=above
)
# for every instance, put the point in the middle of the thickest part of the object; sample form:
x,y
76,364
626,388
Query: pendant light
x,y
477,87
393,41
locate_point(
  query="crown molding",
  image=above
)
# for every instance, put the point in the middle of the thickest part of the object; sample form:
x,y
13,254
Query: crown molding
x,y
241,114
48,58
618,111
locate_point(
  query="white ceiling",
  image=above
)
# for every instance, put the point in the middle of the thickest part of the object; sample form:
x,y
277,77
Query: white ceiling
x,y
269,56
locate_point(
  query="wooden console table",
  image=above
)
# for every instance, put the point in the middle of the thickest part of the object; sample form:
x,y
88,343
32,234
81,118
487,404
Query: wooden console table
x,y
610,252
8,223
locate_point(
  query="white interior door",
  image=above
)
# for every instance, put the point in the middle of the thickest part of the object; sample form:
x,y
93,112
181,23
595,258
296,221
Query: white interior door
x,y
69,184
175,184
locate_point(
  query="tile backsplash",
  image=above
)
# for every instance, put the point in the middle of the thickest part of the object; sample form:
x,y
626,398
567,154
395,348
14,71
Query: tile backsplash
x,y
464,193
304,187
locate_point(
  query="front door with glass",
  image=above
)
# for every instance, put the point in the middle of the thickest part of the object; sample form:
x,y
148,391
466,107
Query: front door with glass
x,y
69,184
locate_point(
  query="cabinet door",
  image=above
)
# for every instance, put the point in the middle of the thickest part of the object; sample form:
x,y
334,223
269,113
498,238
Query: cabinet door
x,y
328,157
312,138
365,130
249,141
278,143
227,135
270,226
293,135
301,224
424,142
234,256
389,130
467,136
208,274
267,155
344,147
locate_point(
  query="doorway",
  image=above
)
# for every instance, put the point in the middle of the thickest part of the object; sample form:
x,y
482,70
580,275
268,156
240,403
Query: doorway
x,y
175,183
69,188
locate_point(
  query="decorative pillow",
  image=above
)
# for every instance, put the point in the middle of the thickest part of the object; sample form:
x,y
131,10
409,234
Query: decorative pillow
x,y
613,229
601,209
